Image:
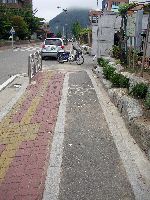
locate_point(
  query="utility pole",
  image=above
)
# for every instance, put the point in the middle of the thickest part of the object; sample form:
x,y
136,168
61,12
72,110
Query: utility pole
x,y
65,10
145,45
97,3
63,32
65,25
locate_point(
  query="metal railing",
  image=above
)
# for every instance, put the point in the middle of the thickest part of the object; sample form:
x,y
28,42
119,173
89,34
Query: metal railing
x,y
34,64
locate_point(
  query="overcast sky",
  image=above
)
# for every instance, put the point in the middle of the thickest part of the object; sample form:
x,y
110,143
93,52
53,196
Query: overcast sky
x,y
48,8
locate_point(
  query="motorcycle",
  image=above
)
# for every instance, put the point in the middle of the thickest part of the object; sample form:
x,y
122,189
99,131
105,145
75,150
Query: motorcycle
x,y
66,56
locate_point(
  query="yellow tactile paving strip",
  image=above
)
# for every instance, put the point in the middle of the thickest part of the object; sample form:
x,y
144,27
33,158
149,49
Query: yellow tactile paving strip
x,y
26,134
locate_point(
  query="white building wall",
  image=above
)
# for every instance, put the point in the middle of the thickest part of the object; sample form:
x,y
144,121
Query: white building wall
x,y
94,39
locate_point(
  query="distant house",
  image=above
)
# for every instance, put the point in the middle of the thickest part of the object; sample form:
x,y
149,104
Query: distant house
x,y
140,1
15,3
112,5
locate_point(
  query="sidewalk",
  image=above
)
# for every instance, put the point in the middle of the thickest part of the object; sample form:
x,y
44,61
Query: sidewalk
x,y
26,134
64,140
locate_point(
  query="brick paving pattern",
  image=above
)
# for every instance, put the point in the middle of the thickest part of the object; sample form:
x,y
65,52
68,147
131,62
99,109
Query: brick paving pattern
x,y
26,134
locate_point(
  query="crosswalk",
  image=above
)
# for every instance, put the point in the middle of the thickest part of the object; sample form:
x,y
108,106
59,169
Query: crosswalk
x,y
27,48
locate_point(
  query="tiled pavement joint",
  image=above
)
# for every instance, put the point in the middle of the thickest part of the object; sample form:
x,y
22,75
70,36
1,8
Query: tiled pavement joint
x,y
135,163
54,169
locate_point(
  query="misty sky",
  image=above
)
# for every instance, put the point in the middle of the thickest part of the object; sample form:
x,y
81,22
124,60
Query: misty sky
x,y
48,8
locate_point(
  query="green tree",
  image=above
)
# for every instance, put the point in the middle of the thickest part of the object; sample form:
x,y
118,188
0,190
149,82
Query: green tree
x,y
28,15
84,34
76,29
5,23
20,26
59,35
32,21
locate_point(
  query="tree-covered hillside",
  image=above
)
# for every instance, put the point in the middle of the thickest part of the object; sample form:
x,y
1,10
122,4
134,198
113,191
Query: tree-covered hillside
x,y
67,20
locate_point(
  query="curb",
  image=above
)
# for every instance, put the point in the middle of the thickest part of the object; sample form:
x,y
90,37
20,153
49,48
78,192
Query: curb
x,y
10,80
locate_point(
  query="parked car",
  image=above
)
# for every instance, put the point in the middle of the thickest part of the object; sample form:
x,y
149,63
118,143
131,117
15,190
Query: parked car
x,y
51,47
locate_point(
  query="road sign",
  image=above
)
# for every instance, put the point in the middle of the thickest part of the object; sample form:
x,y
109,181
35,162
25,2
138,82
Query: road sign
x,y
12,31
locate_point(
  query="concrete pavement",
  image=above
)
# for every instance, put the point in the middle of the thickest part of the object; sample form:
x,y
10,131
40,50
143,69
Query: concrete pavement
x,y
58,142
91,166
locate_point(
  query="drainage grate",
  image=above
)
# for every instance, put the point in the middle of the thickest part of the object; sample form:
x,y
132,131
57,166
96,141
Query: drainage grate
x,y
16,85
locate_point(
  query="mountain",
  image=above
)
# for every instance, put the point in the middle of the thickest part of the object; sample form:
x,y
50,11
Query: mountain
x,y
63,22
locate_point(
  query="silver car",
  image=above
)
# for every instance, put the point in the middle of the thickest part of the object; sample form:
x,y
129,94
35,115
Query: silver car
x,y
51,47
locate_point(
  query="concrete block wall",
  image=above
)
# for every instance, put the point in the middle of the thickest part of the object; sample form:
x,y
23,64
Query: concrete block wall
x,y
109,22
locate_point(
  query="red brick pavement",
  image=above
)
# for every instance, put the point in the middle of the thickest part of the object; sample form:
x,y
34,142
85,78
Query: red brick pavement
x,y
23,175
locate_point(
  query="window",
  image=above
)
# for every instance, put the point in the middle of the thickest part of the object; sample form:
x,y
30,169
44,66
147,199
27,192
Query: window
x,y
9,1
56,42
94,19
115,3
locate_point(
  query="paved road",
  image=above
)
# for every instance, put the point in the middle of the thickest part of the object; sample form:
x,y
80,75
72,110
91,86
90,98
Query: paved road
x,y
16,61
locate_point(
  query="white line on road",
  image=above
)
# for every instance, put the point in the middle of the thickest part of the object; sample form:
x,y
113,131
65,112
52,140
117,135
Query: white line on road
x,y
54,169
135,162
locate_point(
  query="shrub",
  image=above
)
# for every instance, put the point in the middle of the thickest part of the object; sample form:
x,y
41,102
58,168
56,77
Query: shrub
x,y
102,62
124,81
118,80
115,79
116,51
139,91
147,101
108,71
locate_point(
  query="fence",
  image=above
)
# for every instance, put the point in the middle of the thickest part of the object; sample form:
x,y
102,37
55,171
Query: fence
x,y
34,64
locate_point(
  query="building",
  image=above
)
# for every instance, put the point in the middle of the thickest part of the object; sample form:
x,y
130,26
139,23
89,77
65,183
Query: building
x,y
109,23
112,5
15,3
93,18
140,1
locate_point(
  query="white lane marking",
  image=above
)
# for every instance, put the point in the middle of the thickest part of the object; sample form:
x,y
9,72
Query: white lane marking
x,y
51,191
135,162
27,49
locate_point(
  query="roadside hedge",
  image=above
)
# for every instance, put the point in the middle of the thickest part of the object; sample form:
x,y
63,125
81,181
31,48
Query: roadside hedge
x,y
139,91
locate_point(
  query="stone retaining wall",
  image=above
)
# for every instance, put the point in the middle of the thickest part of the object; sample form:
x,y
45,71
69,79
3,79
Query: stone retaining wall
x,y
129,107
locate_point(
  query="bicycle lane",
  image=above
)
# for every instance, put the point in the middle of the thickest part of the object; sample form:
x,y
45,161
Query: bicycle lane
x,y
84,161
26,134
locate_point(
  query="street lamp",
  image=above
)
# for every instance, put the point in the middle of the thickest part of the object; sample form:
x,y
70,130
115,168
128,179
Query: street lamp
x,y
65,10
